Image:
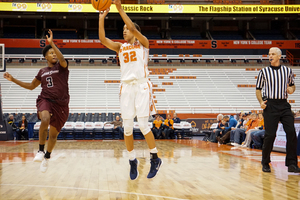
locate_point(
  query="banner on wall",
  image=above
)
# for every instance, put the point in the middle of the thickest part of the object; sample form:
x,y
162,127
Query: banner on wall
x,y
160,44
199,125
280,140
152,8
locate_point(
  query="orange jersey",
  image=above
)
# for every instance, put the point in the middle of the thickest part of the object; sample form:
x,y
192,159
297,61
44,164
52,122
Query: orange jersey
x,y
157,123
166,122
133,61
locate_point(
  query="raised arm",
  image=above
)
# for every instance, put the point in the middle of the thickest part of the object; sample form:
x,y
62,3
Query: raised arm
x,y
143,40
59,55
115,46
29,86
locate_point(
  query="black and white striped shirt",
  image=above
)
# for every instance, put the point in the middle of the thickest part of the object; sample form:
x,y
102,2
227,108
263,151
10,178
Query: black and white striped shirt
x,y
274,81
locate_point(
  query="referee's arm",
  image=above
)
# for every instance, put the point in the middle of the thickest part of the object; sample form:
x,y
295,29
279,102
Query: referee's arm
x,y
259,86
291,89
259,96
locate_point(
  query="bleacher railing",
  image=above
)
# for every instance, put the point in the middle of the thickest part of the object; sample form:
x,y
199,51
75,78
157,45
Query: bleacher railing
x,y
151,57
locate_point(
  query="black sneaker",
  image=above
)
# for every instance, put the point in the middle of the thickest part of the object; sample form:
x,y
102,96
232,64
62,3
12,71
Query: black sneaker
x,y
266,168
134,173
293,168
155,166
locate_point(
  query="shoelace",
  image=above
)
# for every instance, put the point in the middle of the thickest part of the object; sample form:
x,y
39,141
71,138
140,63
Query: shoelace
x,y
153,166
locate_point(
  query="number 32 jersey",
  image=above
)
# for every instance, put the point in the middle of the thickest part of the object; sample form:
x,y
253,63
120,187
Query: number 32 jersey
x,y
133,61
54,83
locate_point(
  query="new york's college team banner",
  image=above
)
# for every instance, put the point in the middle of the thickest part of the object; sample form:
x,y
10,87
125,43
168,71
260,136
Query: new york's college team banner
x,y
160,44
153,8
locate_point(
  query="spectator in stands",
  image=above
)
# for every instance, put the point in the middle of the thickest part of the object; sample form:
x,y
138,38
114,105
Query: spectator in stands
x,y
273,86
240,128
223,126
11,121
248,139
151,118
297,115
169,130
232,123
241,133
213,137
225,138
53,101
175,118
157,127
118,127
258,136
22,130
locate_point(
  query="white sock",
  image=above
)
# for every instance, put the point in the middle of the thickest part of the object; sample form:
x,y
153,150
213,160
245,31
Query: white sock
x,y
154,150
131,155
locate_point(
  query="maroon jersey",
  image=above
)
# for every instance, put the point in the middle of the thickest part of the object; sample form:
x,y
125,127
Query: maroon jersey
x,y
54,83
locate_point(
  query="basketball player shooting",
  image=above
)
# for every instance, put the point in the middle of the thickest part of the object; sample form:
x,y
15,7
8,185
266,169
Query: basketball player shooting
x,y
135,89
53,102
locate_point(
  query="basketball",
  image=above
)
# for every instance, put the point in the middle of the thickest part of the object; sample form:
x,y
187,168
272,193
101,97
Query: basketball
x,y
101,5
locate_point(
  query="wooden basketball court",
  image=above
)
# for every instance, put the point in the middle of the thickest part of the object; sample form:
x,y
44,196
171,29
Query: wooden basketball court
x,y
192,169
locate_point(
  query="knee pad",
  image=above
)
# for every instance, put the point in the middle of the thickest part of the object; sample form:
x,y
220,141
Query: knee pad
x,y
128,127
143,124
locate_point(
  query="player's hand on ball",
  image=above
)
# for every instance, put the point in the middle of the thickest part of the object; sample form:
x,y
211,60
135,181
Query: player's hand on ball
x,y
7,76
103,14
117,3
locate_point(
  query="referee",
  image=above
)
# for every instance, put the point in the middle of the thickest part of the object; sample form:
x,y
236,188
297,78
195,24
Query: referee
x,y
277,81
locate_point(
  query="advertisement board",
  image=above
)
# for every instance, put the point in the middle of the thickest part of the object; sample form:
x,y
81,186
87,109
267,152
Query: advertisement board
x,y
159,44
153,8
280,140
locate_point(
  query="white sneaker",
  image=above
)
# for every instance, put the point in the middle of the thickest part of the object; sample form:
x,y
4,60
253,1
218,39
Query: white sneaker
x,y
44,165
235,144
39,157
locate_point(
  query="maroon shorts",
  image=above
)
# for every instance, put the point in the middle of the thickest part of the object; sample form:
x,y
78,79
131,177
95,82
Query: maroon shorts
x,y
60,113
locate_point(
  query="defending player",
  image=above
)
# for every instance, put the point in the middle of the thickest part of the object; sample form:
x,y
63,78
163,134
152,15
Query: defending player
x,y
136,89
53,102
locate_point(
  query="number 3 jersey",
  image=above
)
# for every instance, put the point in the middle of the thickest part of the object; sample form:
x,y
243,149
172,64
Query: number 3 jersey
x,y
133,61
54,83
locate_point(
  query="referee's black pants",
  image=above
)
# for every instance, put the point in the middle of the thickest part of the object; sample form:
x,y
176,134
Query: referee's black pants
x,y
279,110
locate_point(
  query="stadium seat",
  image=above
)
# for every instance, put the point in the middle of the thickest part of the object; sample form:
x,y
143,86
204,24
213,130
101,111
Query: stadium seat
x,y
98,130
36,129
96,117
177,129
79,130
68,130
108,131
110,117
89,130
81,117
137,134
186,128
